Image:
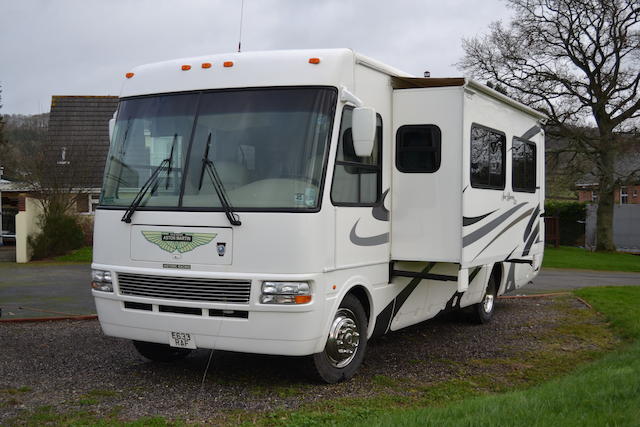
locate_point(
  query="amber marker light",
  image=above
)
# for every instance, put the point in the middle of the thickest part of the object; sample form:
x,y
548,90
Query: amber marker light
x,y
129,75
228,64
303,299
314,60
206,65
186,67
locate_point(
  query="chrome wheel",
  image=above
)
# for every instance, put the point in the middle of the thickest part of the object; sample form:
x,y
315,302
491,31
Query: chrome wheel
x,y
482,311
487,304
344,338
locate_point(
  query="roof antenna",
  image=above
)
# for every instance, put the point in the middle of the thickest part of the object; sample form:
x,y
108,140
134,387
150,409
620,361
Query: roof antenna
x,y
240,34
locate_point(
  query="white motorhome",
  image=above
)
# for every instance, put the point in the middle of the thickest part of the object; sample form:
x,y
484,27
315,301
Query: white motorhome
x,y
302,202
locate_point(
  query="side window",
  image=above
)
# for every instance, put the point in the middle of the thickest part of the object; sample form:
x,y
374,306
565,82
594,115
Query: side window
x,y
357,181
524,165
418,148
487,157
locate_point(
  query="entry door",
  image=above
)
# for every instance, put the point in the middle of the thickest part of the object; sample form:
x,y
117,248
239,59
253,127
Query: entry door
x,y
362,221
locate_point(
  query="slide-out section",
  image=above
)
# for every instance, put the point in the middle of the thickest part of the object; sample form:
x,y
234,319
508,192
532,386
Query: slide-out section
x,y
426,178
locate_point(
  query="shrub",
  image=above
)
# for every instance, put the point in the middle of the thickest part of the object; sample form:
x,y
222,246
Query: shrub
x,y
572,217
59,234
86,224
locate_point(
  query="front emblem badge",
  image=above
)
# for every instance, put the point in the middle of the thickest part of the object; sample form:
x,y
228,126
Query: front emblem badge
x,y
222,248
178,242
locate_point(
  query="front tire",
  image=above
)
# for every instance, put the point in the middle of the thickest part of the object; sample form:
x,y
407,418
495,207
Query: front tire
x,y
483,311
346,343
160,352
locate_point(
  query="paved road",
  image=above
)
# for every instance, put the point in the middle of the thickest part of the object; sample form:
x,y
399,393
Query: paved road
x,y
32,290
557,280
28,289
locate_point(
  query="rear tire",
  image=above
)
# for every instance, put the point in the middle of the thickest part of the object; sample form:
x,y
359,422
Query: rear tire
x,y
346,343
483,311
160,352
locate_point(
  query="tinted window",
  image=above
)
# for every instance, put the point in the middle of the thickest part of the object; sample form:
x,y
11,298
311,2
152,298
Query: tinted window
x,y
357,181
524,165
418,148
487,157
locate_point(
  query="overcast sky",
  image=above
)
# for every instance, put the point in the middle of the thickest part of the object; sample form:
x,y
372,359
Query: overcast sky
x,y
83,47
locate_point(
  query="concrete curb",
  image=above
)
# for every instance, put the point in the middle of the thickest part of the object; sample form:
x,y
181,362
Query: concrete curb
x,y
49,319
534,295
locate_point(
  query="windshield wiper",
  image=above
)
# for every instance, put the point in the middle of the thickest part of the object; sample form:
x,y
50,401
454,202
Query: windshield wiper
x,y
173,145
208,165
152,181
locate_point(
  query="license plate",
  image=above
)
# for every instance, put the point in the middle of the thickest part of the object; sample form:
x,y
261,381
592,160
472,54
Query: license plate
x,y
182,340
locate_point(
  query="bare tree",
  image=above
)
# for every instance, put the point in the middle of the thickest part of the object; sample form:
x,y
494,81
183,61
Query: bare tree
x,y
578,61
58,177
24,135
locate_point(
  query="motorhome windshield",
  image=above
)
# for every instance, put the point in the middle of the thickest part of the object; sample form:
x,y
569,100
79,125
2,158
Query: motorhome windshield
x,y
268,147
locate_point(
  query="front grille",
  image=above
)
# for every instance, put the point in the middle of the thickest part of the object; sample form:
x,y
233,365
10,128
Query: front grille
x,y
180,310
137,306
185,288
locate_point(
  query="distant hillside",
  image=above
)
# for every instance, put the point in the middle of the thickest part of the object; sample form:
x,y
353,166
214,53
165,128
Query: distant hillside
x,y
24,135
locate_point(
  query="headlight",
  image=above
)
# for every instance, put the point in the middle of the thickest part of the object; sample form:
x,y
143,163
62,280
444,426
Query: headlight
x,y
285,293
101,280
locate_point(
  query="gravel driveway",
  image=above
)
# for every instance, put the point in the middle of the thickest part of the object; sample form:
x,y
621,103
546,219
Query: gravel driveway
x,y
70,365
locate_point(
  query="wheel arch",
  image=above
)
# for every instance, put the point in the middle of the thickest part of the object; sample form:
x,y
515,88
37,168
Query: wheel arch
x,y
363,295
497,271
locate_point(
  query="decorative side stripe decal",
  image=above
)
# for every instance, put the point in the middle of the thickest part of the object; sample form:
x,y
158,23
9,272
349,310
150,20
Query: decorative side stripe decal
x,y
404,294
454,301
379,212
510,253
383,320
472,220
532,238
517,220
379,239
530,224
485,229
474,273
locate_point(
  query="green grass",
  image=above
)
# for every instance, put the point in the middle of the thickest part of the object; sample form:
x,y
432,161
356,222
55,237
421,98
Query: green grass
x,y
47,415
620,305
569,257
606,392
84,254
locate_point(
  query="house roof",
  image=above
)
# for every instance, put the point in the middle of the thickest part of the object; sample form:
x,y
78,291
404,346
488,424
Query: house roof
x,y
13,187
79,128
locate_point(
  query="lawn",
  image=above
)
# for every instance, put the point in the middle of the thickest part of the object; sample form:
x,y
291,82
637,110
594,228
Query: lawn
x,y
84,254
569,257
602,393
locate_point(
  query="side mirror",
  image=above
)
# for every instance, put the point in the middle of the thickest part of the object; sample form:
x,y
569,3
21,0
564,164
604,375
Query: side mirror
x,y
363,129
112,126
